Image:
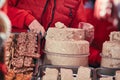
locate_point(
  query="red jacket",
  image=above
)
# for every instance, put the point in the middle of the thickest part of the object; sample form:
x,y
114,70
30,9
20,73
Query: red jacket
x,y
47,12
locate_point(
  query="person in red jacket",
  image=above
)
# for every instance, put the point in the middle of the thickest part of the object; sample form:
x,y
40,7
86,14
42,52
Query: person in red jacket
x,y
39,15
34,14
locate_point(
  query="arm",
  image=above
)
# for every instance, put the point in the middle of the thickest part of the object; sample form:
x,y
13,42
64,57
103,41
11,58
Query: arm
x,y
19,18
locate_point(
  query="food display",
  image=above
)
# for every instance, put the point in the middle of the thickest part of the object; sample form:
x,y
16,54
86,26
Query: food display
x,y
65,73
111,51
65,34
66,46
21,52
110,62
66,41
84,71
51,74
66,56
65,59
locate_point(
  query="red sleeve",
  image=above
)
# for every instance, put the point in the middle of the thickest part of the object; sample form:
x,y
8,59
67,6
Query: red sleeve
x,y
19,17
80,15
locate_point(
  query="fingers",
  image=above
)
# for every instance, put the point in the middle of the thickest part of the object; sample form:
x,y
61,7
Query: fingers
x,y
38,30
41,31
36,27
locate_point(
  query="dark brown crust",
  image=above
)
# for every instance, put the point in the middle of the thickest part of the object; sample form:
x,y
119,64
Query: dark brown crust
x,y
24,48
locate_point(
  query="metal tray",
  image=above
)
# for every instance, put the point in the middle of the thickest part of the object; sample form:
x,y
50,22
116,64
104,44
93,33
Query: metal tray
x,y
105,72
42,68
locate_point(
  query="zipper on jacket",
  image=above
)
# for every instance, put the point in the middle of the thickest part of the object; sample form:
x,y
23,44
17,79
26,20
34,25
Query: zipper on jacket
x,y
71,16
45,7
53,11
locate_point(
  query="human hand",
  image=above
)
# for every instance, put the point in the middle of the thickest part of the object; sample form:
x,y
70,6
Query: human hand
x,y
89,31
36,27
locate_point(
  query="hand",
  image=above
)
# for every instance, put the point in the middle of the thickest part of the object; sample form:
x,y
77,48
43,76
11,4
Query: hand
x,y
89,31
36,27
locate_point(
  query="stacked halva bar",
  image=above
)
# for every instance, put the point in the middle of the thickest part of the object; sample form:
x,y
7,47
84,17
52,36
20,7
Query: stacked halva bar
x,y
66,46
83,73
111,51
